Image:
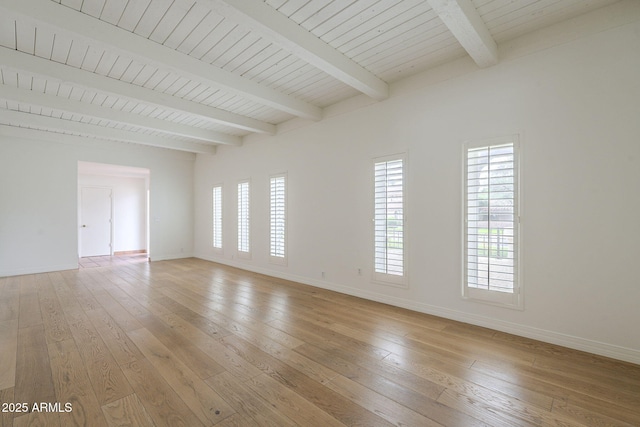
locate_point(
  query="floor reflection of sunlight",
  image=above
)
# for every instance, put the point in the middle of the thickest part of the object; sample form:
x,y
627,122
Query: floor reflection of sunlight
x,y
379,337
497,376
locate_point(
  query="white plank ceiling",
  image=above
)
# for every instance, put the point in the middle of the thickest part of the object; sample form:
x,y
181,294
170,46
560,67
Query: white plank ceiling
x,y
189,75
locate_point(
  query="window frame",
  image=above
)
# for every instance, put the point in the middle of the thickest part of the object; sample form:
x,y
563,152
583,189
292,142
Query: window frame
x,y
505,299
241,253
281,260
383,278
219,234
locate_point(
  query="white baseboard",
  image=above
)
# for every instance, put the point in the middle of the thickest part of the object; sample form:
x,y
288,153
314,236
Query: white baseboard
x,y
165,257
39,269
552,337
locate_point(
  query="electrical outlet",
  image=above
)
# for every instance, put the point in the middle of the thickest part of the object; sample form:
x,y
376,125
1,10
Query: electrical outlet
x,y
322,274
359,272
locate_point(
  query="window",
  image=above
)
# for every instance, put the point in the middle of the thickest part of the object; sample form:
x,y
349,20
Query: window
x,y
277,221
491,218
217,217
389,220
243,219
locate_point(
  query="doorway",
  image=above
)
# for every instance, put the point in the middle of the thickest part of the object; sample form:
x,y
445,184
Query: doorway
x,y
116,197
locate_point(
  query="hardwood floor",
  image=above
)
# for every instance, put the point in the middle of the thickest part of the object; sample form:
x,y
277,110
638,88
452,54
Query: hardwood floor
x,y
108,261
191,343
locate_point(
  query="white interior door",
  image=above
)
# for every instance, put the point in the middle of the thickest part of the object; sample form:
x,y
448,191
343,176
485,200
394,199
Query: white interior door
x,y
95,225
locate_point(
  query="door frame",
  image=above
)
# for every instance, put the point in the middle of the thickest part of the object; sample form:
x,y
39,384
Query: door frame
x,y
106,170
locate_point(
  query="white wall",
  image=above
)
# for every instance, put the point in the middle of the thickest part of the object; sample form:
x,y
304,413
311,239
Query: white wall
x,y
576,107
38,198
129,209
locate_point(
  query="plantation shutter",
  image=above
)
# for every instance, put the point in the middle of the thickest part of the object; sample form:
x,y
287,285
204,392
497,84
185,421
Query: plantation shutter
x,y
389,217
491,218
277,217
217,217
243,216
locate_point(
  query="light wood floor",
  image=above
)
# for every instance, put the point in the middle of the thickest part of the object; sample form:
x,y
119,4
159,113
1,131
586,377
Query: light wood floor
x,y
190,343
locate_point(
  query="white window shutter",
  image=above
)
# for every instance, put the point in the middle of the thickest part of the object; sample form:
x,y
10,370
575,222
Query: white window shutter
x,y
492,222
217,217
389,219
277,220
243,217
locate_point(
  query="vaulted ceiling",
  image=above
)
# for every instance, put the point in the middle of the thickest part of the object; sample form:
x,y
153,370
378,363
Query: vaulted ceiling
x,y
189,75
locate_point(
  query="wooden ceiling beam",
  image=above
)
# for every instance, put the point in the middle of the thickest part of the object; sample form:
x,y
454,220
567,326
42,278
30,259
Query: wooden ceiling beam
x,y
35,121
29,97
36,66
464,21
276,27
62,19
